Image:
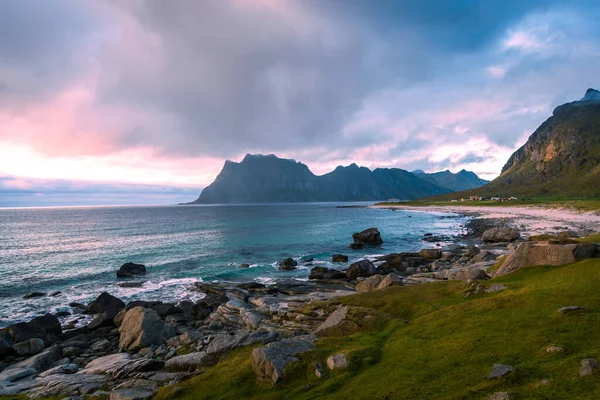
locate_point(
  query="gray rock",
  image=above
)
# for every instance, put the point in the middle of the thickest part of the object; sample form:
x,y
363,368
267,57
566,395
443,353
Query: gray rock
x,y
60,369
100,345
16,374
318,370
224,343
500,396
588,366
105,302
251,318
41,361
186,362
570,309
337,361
390,280
500,234
268,362
288,264
500,370
48,322
339,258
369,284
134,284
71,384
586,250
34,295
337,324
71,352
131,394
370,236
29,347
141,328
109,364
362,268
431,254
129,269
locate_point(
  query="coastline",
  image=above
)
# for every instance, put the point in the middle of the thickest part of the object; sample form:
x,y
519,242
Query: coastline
x,y
530,220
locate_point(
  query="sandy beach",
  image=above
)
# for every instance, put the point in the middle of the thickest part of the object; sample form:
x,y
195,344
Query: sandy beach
x,y
529,220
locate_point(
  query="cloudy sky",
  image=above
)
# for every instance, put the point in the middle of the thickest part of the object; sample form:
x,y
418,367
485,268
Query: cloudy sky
x,y
105,101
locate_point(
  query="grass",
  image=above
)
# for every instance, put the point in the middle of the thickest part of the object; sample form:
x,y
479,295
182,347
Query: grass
x,y
430,342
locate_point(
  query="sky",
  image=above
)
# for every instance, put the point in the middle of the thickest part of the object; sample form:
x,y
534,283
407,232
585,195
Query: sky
x,y
141,101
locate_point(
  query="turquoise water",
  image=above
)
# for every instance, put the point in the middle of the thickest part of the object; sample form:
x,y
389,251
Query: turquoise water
x,y
78,250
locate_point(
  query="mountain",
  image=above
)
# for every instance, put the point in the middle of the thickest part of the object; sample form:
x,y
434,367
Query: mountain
x,y
462,180
269,179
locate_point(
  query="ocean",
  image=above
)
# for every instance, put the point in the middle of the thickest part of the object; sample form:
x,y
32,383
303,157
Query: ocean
x,y
77,250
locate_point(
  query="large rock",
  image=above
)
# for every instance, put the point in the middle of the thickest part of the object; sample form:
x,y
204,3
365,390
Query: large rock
x,y
41,361
588,366
431,254
29,347
336,361
5,345
390,280
370,236
530,254
48,322
107,318
105,302
269,361
141,328
325,273
187,362
130,269
362,268
500,234
337,324
23,331
288,264
109,364
369,284
475,272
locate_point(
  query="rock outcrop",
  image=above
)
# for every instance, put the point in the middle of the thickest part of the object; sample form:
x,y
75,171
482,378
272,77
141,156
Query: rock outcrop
x,y
269,361
130,269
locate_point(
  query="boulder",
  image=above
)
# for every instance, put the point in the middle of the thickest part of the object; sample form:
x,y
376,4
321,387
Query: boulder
x,y
187,362
500,370
530,254
370,236
130,269
29,347
325,273
362,268
588,366
369,284
390,280
33,295
466,274
337,324
484,255
5,345
105,302
48,322
22,331
268,362
287,264
105,319
586,250
141,328
500,234
165,309
41,361
431,254
339,258
337,361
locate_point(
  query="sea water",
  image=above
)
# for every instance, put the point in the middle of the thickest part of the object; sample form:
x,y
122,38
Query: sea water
x,y
77,250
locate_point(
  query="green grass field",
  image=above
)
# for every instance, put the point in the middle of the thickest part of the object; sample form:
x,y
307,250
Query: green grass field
x,y
431,342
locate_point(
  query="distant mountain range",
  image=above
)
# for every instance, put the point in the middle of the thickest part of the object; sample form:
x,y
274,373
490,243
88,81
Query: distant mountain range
x,y
561,158
269,179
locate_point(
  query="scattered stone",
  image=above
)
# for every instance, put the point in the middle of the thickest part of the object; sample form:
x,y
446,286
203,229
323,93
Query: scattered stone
x,y
588,366
496,287
187,362
500,396
287,264
141,328
339,258
500,370
337,324
337,361
130,269
105,302
500,234
34,295
431,254
472,251
362,268
319,372
370,236
570,309
268,362
555,349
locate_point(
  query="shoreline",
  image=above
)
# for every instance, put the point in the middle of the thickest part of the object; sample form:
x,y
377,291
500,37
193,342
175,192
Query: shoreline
x,y
530,220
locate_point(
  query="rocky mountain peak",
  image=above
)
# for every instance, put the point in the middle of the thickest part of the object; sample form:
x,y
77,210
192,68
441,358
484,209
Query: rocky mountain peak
x,y
591,95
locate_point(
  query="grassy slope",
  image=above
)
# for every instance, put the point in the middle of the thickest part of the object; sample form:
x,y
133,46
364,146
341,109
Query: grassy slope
x,y
446,349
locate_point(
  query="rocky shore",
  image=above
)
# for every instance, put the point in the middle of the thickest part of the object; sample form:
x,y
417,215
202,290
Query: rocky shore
x,y
127,351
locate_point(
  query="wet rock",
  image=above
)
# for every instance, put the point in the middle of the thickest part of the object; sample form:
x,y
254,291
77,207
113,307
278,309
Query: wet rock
x,y
129,269
244,265
500,370
268,362
500,234
287,264
431,254
29,347
141,328
325,273
370,236
339,258
362,268
337,361
588,366
337,324
34,295
105,302
134,284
